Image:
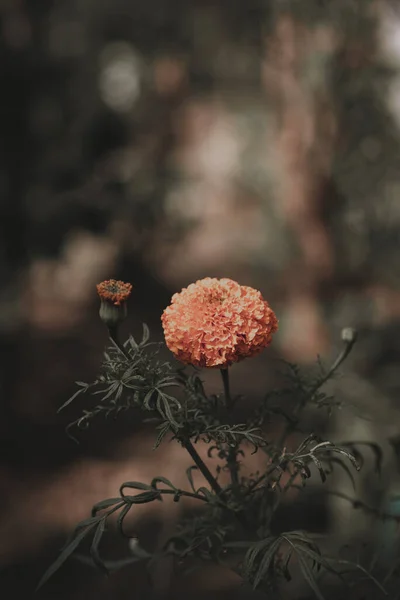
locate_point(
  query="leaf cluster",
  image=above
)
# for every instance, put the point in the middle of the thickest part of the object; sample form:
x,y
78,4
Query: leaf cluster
x,y
96,525
133,378
237,517
273,555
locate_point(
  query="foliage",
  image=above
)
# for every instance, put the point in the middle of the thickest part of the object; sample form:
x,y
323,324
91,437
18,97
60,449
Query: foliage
x,y
233,526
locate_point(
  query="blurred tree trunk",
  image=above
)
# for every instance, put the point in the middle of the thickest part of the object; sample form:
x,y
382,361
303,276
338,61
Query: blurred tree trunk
x,y
294,75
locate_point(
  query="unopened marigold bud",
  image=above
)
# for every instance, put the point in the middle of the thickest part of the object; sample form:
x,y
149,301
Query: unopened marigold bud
x,y
349,335
113,296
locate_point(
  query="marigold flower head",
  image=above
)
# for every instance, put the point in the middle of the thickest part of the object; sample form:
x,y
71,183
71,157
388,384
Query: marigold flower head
x,y
217,322
113,295
115,292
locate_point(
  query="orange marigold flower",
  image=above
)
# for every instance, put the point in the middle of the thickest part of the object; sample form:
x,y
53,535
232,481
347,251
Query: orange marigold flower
x,y
115,292
216,322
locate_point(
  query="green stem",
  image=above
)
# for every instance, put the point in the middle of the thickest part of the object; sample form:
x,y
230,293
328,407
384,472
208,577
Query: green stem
x,y
232,462
343,354
292,425
113,334
241,518
348,345
183,493
227,392
187,444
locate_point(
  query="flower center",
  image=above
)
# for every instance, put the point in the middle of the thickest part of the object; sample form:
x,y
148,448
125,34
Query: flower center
x,y
114,288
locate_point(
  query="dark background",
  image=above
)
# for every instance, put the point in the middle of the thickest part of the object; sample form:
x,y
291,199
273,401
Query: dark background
x,y
163,141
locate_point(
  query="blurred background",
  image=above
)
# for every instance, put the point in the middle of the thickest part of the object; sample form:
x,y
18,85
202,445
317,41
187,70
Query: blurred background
x,y
164,141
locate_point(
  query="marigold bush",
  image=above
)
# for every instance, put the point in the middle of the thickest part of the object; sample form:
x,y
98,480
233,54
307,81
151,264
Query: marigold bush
x,y
214,323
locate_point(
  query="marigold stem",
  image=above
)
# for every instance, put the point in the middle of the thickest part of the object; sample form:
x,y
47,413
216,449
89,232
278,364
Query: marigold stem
x,y
227,391
187,444
113,334
240,516
343,354
232,462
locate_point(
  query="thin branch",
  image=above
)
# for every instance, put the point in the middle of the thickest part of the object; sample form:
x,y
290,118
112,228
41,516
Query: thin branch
x,y
349,341
182,493
232,462
113,335
363,506
227,392
187,444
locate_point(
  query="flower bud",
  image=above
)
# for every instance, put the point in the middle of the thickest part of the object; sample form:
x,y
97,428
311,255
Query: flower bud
x,y
349,335
113,296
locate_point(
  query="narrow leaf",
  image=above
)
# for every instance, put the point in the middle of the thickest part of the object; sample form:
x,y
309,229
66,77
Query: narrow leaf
x,y
147,399
206,493
309,576
345,468
190,476
164,428
133,343
146,334
94,548
285,568
144,497
65,554
111,565
164,480
135,485
121,518
103,504
318,464
71,399
266,562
